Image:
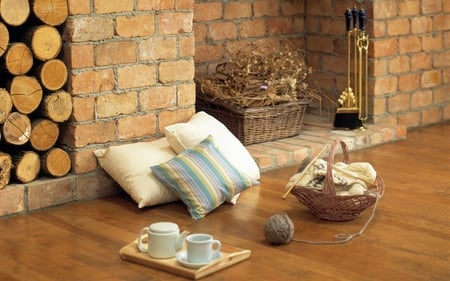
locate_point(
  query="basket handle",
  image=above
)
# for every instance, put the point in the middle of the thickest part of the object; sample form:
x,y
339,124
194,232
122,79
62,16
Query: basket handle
x,y
329,183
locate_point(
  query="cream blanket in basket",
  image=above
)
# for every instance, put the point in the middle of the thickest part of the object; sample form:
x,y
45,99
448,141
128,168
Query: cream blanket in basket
x,y
349,179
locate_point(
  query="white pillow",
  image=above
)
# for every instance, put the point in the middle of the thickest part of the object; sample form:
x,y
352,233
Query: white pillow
x,y
186,135
128,165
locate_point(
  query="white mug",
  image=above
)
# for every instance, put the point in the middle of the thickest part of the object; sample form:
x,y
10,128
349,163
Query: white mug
x,y
202,248
163,240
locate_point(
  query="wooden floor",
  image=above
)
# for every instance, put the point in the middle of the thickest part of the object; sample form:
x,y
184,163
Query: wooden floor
x,y
409,238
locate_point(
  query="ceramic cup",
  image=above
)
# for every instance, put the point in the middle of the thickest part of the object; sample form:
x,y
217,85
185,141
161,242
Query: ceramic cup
x,y
163,240
202,248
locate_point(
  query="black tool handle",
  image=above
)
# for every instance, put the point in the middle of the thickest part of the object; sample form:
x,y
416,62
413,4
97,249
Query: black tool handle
x,y
362,19
355,17
348,19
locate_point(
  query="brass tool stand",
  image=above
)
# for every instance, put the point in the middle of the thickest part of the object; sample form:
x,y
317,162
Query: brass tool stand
x,y
353,107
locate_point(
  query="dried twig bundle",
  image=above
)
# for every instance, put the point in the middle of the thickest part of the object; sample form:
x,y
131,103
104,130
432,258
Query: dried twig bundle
x,y
259,77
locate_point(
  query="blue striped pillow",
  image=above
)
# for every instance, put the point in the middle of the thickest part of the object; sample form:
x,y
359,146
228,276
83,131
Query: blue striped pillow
x,y
202,177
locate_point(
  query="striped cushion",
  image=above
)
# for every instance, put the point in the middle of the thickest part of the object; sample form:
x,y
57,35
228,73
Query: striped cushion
x,y
202,177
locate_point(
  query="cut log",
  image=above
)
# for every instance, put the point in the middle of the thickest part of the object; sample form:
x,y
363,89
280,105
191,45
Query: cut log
x,y
57,106
5,105
18,59
17,129
4,38
55,162
5,169
26,165
14,12
52,74
26,93
45,42
51,12
44,134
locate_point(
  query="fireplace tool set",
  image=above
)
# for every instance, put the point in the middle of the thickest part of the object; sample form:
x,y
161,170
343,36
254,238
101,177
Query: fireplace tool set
x,y
352,112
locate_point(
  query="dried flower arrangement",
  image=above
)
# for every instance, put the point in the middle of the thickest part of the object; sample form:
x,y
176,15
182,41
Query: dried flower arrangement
x,y
256,77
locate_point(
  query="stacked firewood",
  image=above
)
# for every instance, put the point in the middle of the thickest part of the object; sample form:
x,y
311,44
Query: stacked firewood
x,y
256,76
32,100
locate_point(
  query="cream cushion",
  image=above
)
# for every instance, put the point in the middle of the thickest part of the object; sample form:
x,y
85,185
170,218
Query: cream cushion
x,y
186,135
129,165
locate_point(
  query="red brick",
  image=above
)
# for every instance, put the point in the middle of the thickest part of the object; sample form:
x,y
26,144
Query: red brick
x,y
186,46
408,8
201,32
398,103
398,26
169,117
186,95
380,67
446,112
76,7
431,78
96,186
80,135
140,75
83,161
91,81
184,4
332,26
399,64
431,116
222,31
135,26
112,6
379,28
385,47
87,29
237,10
207,11
117,52
279,26
182,70
421,24
421,98
83,109
385,85
12,199
46,193
442,95
410,119
409,82
442,59
158,98
409,44
441,22
421,61
265,8
379,106
431,6
334,64
320,43
156,48
432,42
319,7
134,127
79,56
158,5
384,9
207,53
174,23
116,104
291,8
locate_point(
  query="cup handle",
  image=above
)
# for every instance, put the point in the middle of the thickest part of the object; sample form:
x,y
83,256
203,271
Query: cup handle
x,y
216,246
143,247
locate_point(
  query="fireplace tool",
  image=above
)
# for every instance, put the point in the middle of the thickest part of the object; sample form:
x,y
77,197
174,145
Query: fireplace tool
x,y
353,103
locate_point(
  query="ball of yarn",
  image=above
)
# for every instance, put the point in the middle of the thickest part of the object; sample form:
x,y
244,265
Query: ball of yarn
x,y
279,229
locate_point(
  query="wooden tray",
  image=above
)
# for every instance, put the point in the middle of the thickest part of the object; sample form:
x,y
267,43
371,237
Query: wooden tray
x,y
231,256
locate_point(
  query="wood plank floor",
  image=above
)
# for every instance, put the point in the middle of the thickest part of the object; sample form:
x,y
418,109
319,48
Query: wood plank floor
x,y
409,238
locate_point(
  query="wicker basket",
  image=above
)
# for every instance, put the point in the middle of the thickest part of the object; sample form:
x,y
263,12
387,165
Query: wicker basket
x,y
325,204
256,124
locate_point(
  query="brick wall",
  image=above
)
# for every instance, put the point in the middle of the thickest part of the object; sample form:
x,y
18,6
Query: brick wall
x,y
409,50
132,71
